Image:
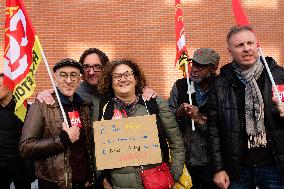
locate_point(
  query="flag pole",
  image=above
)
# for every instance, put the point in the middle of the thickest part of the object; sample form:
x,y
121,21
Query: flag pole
x,y
189,92
54,87
270,75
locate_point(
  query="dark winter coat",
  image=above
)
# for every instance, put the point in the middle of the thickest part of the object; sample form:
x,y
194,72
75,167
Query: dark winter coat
x,y
226,119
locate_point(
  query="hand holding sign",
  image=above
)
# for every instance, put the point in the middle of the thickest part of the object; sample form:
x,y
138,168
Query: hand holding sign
x,y
73,132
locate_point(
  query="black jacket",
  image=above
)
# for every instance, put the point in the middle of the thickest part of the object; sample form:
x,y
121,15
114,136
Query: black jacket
x,y
195,141
10,134
226,119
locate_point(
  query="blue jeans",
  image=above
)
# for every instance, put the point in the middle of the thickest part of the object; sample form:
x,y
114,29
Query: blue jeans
x,y
266,177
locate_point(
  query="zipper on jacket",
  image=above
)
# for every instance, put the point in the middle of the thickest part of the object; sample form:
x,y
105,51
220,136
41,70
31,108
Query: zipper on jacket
x,y
65,168
236,88
66,178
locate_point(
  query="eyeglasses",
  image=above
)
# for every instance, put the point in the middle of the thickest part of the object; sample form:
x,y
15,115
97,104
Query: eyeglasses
x,y
95,67
73,76
126,75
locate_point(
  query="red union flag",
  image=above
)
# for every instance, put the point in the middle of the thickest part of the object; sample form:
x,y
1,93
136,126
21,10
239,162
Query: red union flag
x,y
22,55
240,16
181,52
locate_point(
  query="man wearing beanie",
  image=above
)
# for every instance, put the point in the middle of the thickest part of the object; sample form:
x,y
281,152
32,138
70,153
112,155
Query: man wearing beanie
x,y
62,154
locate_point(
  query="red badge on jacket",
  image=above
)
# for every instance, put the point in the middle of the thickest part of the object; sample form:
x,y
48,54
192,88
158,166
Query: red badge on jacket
x,y
118,114
281,92
75,119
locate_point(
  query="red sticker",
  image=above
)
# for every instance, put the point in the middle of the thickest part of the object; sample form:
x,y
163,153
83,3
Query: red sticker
x,y
118,114
281,92
75,119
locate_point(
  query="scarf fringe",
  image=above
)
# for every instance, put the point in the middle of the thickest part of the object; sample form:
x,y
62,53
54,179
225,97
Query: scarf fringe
x,y
257,140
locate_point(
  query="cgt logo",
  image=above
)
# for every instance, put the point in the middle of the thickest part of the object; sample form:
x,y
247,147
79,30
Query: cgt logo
x,y
118,114
75,119
280,90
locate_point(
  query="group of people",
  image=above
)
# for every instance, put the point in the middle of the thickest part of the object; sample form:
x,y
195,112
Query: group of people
x,y
238,137
237,140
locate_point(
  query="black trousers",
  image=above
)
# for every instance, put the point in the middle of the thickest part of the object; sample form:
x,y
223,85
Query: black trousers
x,y
44,184
17,173
202,177
80,185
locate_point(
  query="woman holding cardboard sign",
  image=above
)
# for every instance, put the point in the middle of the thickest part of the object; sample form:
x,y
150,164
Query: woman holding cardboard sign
x,y
121,84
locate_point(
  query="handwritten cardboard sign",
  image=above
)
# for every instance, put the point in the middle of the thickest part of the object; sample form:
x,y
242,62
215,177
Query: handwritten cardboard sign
x,y
126,142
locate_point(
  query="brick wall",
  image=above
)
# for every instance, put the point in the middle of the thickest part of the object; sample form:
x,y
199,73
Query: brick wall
x,y
144,30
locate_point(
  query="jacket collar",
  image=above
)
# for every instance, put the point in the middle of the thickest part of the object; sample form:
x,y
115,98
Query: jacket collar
x,y
77,100
92,89
228,70
10,105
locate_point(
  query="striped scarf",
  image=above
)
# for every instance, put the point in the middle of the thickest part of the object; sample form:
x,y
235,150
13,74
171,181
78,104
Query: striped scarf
x,y
254,105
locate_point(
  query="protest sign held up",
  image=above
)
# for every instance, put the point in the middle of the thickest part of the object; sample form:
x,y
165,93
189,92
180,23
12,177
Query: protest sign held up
x,y
126,142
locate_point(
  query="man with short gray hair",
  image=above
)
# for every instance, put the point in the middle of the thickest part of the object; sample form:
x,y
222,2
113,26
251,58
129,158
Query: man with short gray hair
x,y
245,127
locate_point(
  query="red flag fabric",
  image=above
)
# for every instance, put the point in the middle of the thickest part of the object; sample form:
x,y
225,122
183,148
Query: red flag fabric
x,y
22,54
181,51
240,16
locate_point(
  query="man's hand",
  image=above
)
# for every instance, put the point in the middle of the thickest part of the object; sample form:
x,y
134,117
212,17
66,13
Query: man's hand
x,y
45,96
88,184
73,132
221,179
182,109
148,93
280,106
191,112
106,184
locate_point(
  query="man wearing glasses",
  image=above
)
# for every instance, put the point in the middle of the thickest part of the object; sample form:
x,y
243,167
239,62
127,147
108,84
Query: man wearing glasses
x,y
62,154
93,61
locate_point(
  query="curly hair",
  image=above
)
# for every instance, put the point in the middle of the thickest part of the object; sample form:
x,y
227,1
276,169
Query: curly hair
x,y
105,81
103,57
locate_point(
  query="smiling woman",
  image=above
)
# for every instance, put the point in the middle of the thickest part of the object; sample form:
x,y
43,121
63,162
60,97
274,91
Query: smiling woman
x,y
123,79
121,85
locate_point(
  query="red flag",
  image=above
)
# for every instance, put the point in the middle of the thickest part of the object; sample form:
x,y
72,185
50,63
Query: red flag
x,y
240,16
181,51
22,54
